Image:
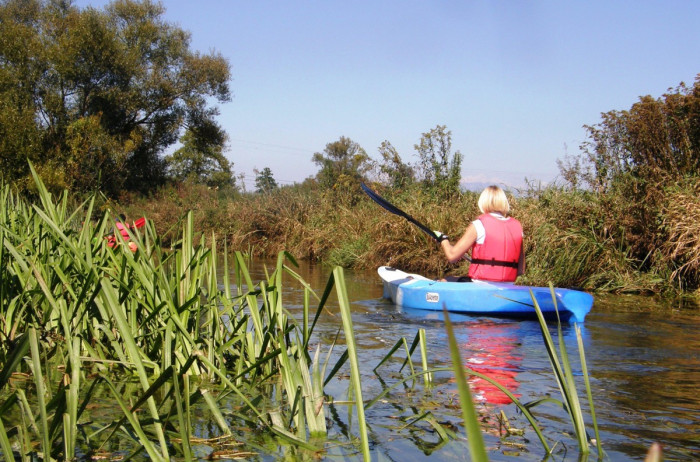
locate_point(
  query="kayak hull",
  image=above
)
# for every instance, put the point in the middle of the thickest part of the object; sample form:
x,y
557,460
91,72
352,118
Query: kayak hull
x,y
483,298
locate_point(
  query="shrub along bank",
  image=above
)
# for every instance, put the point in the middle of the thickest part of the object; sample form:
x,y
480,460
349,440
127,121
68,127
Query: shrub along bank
x,y
595,241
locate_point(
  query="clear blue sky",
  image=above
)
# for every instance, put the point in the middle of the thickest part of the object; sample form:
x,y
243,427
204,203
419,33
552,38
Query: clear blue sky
x,y
514,81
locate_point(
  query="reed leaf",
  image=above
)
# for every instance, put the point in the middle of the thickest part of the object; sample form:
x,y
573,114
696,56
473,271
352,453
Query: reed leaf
x,y
338,365
28,425
563,374
390,353
70,418
297,382
216,412
184,428
5,444
14,358
428,378
40,393
135,425
110,301
356,381
589,393
477,450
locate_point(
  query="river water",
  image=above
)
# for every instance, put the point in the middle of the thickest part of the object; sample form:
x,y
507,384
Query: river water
x,y
643,360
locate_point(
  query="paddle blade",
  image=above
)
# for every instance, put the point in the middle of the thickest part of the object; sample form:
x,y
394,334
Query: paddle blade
x,y
140,222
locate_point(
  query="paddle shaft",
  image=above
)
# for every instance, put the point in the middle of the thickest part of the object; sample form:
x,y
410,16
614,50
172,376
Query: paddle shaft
x,y
397,211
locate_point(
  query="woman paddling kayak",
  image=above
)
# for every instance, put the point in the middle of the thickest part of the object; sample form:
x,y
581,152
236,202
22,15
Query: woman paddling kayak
x,y
481,297
494,239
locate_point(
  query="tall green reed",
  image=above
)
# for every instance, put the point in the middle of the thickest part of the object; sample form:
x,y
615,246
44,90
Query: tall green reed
x,y
477,449
158,328
565,378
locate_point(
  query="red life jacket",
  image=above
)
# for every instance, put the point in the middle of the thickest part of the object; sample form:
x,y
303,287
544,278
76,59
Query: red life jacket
x,y
122,228
497,258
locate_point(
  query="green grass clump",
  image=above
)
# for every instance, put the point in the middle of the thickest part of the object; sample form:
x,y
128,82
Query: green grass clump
x,y
156,329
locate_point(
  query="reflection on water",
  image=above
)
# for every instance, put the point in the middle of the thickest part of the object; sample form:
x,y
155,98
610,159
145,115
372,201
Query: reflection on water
x,y
488,346
494,353
643,360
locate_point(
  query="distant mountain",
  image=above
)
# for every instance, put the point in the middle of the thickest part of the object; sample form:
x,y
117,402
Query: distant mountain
x,y
478,186
475,186
513,187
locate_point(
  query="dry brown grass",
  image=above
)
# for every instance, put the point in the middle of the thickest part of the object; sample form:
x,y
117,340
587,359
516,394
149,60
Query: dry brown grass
x,y
578,239
571,238
681,221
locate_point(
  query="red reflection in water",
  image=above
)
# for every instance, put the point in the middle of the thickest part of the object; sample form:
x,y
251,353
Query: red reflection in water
x,y
490,350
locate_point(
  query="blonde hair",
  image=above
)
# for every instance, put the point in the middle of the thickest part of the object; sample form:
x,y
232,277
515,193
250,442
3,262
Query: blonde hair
x,y
493,199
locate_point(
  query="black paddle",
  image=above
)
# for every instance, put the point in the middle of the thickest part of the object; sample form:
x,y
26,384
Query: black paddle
x,y
397,211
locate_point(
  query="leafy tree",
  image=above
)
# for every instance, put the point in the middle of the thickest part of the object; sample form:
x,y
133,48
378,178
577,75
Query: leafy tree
x,y
640,161
439,169
264,181
201,160
656,140
399,174
98,95
343,164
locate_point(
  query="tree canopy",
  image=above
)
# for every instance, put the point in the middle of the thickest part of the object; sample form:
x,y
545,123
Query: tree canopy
x,y
201,160
343,163
656,140
397,173
265,181
439,169
94,97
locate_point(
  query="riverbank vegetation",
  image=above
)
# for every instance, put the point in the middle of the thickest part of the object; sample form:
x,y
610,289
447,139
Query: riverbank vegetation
x,y
573,238
112,351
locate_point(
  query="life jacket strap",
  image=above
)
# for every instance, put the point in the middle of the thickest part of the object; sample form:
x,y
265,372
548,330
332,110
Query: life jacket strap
x,y
494,262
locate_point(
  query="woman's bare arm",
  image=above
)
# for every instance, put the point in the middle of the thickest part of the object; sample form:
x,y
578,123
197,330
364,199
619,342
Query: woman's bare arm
x,y
455,252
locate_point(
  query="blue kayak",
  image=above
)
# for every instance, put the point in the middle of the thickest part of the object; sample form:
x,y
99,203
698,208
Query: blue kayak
x,y
482,298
